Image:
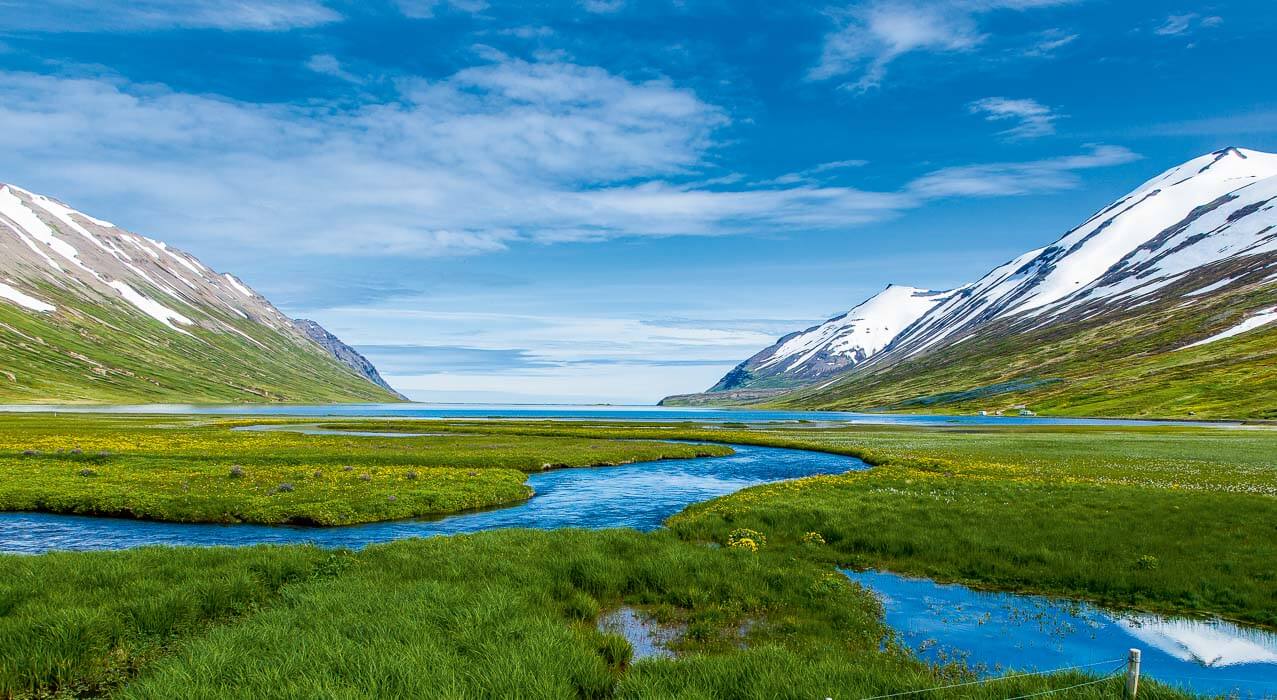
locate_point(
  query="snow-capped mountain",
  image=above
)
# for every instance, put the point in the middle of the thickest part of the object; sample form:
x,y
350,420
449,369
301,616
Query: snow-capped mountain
x,y
79,291
1210,210
1184,262
839,343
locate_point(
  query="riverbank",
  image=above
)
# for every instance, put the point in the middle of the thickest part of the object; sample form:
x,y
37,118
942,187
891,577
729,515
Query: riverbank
x,y
183,470
497,614
1165,518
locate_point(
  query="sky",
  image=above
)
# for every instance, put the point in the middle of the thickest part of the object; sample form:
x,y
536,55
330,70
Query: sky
x,y
611,200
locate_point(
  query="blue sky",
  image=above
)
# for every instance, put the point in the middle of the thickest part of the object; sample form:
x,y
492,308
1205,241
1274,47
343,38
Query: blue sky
x,y
611,200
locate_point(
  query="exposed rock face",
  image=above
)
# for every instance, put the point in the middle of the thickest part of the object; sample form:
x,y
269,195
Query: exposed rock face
x,y
344,353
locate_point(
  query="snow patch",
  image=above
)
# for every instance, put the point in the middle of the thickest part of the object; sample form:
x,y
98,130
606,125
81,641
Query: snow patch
x,y
151,308
181,259
1262,318
1212,287
26,301
239,286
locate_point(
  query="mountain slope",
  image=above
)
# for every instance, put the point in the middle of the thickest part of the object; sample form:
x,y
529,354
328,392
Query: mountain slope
x,y
345,354
835,345
1161,304
90,312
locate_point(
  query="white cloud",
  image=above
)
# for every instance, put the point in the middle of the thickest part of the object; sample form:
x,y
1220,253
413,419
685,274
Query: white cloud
x,y
1006,179
1032,118
873,34
327,64
602,6
96,15
568,357
498,153
1176,25
1049,42
424,9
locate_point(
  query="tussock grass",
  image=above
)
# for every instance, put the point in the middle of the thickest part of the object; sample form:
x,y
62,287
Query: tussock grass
x,y
497,614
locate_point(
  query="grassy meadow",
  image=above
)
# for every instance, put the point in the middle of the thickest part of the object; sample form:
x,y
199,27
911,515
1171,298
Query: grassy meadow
x,y
184,470
496,614
1163,518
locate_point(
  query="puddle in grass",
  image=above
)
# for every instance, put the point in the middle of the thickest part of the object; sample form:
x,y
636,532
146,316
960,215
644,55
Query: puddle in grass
x,y
993,632
647,637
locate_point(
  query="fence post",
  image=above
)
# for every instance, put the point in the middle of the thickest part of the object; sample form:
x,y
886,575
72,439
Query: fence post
x,y
1132,674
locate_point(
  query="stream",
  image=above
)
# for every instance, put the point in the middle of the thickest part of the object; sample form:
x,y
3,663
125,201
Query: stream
x,y
990,632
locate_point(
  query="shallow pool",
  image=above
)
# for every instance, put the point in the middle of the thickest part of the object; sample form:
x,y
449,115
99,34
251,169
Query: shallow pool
x,y
996,632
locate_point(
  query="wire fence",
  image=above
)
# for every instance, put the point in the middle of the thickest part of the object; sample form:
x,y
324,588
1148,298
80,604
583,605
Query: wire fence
x,y
1117,672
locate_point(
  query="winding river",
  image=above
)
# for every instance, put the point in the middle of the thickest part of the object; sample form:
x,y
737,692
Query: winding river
x,y
991,632
639,495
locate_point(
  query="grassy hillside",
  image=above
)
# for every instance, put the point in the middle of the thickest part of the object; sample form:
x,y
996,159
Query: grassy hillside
x,y
1127,364
111,354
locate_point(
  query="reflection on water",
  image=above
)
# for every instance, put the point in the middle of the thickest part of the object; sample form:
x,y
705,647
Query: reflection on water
x,y
640,496
995,632
1211,643
647,637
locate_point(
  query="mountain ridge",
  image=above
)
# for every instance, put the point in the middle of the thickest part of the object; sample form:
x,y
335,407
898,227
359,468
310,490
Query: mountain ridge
x,y
345,354
90,312
1184,266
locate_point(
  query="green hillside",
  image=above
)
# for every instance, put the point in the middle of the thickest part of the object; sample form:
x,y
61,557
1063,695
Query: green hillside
x,y
110,354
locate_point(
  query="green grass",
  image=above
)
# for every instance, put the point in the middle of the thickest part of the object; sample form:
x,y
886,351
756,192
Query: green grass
x,y
1061,510
176,469
498,614
111,353
1168,519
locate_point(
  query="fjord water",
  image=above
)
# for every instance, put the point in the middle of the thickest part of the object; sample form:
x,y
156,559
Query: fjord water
x,y
994,633
639,496
580,412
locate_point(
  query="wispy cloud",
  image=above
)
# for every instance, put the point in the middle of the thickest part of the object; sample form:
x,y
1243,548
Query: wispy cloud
x,y
1177,25
1049,42
1004,179
327,64
1243,124
96,15
871,35
505,152
602,6
513,356
425,9
1032,118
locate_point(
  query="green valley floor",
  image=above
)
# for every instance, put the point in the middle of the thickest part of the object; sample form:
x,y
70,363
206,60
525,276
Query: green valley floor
x,y
1163,518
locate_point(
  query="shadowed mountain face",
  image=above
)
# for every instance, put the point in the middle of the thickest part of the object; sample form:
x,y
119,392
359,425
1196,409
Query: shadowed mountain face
x,y
1175,282
344,354
90,312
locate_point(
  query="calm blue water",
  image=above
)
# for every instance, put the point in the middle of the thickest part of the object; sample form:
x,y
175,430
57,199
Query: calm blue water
x,y
997,632
640,496
633,413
